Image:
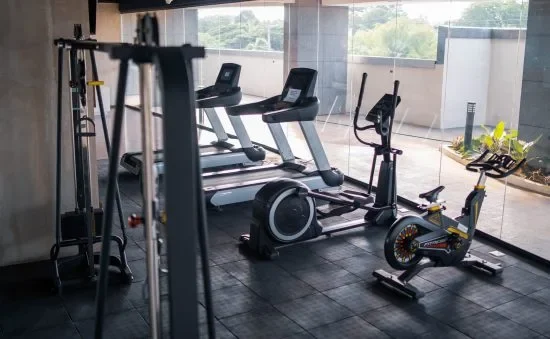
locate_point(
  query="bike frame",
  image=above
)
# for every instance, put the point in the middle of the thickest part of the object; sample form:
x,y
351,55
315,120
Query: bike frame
x,y
460,230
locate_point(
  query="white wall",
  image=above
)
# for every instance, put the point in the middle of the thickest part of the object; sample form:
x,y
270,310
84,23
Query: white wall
x,y
420,90
261,73
29,120
465,79
505,81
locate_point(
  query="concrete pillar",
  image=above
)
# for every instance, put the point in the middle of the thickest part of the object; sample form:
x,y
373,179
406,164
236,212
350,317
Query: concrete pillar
x,y
28,128
316,37
535,93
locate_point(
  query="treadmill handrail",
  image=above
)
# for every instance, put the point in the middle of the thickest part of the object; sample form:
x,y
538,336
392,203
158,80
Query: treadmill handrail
x,y
305,111
230,97
252,108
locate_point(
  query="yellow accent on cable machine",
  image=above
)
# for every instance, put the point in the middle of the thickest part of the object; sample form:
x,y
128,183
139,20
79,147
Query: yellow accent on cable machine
x,y
95,83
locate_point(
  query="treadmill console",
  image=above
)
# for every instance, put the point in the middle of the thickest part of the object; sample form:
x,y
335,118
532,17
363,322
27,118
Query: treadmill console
x,y
226,82
383,109
299,86
229,76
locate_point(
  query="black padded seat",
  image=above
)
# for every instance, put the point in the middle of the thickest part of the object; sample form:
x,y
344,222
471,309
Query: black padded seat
x,y
432,195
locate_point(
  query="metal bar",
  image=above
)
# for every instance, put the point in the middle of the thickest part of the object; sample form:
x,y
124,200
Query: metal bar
x,y
95,77
58,146
315,146
240,131
183,193
281,142
216,123
75,117
103,282
87,45
148,182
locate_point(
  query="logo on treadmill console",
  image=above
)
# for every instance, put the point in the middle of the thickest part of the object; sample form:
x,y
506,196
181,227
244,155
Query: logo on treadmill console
x,y
436,244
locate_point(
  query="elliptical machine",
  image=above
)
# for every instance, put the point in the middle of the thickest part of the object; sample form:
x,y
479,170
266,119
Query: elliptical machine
x,y
435,240
284,210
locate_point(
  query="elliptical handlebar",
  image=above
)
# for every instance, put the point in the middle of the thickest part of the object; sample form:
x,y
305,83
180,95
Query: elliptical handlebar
x,y
496,166
358,107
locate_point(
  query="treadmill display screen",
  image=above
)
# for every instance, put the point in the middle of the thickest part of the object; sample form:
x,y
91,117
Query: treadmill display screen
x,y
226,75
297,87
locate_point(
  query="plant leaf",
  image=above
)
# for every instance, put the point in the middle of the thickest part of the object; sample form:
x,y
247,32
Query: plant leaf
x,y
499,130
488,141
516,145
512,134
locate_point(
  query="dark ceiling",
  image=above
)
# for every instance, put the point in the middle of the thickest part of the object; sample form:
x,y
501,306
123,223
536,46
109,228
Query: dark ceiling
x,y
128,6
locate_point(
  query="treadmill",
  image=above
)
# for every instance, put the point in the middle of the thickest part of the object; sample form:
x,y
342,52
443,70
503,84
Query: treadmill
x,y
222,152
295,104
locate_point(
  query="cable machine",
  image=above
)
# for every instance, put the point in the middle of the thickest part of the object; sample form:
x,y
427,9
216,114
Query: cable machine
x,y
81,227
185,206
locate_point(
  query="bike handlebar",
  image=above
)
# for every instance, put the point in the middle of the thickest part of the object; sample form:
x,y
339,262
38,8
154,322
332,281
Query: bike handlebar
x,y
496,166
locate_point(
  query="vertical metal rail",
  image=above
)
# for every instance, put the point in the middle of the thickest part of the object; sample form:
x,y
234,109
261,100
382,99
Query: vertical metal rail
x,y
58,148
149,193
103,282
95,77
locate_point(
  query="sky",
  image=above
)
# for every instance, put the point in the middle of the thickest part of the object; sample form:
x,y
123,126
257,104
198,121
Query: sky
x,y
434,12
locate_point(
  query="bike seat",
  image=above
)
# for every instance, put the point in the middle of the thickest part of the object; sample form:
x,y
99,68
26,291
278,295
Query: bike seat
x,y
432,195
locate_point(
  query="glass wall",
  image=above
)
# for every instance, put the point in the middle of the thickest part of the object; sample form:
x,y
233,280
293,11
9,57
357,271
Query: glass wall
x,y
450,58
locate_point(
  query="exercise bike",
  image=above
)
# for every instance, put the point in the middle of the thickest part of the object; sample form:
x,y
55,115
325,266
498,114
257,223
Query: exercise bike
x,y
285,212
435,240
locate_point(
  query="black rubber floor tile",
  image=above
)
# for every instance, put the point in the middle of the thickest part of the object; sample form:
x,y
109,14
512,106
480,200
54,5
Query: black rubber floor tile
x,y
301,335
82,305
314,311
221,332
505,261
281,289
370,239
133,252
542,295
521,281
527,312
219,237
219,279
225,253
352,328
139,270
298,257
448,307
402,322
363,265
326,276
450,276
444,331
19,318
255,270
65,331
485,294
357,297
491,325
334,249
234,300
537,269
264,323
126,325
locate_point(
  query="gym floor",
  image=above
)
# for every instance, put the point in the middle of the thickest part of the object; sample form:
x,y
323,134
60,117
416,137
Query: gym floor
x,y
319,289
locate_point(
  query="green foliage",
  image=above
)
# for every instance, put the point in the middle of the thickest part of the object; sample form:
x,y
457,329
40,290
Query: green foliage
x,y
502,140
495,13
400,38
366,18
244,31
